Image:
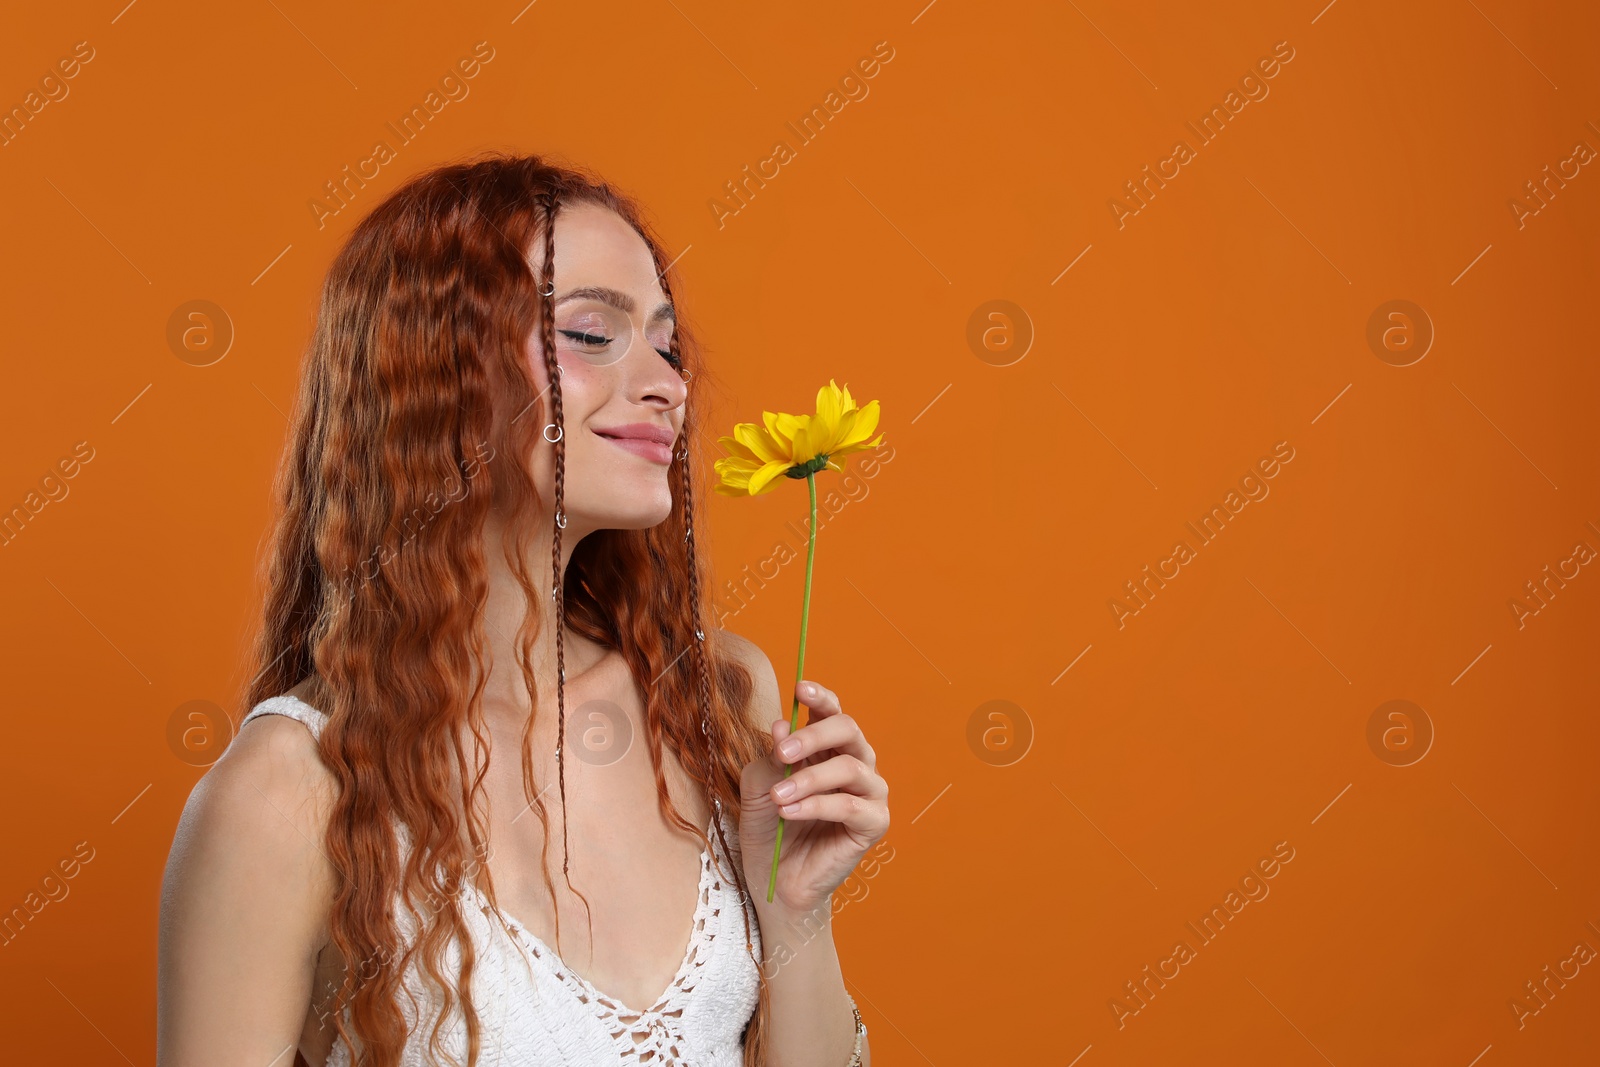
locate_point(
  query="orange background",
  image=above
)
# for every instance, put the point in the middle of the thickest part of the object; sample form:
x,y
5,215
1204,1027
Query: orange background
x,y
1229,314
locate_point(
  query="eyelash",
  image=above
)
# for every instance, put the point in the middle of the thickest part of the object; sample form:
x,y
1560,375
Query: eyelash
x,y
585,337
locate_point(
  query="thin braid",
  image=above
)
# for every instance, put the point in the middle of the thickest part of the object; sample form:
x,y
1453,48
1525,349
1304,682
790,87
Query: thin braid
x,y
703,674
547,326
703,667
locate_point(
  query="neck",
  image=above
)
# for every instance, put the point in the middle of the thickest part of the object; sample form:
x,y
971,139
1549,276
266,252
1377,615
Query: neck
x,y
507,605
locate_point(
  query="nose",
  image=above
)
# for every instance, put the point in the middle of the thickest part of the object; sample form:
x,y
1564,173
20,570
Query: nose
x,y
650,378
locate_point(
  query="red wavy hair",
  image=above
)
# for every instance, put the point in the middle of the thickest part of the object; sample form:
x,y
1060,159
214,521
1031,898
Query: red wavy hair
x,y
416,364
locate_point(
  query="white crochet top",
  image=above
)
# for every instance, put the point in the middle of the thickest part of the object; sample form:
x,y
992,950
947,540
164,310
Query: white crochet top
x,y
535,1010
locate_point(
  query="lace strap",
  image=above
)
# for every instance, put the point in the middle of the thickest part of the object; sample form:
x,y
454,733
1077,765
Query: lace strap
x,y
292,707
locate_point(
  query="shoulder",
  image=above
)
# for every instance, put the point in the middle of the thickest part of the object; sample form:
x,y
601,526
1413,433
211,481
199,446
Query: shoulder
x,y
246,898
276,756
255,824
765,703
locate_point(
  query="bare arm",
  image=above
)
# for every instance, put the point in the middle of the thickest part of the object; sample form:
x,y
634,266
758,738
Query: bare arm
x,y
244,903
811,1021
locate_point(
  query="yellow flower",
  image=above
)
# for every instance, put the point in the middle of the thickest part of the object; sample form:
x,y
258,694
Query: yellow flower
x,y
795,445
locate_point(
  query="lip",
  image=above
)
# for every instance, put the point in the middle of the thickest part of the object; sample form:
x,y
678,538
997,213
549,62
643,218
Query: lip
x,y
649,440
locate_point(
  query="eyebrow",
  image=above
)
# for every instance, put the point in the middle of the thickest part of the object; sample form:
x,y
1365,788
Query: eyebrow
x,y
617,299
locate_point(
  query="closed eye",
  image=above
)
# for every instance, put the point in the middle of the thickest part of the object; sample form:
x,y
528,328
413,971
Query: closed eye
x,y
600,340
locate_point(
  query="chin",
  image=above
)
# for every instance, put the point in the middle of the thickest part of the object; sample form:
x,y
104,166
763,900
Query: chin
x,y
639,516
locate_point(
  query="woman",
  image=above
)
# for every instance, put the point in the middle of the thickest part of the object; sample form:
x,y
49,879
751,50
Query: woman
x,y
491,475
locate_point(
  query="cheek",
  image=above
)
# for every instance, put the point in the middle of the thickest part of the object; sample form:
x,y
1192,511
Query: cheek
x,y
534,356
583,387
584,392
579,380
538,370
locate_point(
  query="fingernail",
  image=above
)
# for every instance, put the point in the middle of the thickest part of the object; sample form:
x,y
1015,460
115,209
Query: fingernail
x,y
784,790
790,809
789,749
807,689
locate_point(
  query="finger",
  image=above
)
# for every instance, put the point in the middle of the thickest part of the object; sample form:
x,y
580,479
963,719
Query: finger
x,y
842,772
780,733
838,732
866,817
821,700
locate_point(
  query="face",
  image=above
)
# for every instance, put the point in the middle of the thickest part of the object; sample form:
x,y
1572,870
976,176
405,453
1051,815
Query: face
x,y
613,328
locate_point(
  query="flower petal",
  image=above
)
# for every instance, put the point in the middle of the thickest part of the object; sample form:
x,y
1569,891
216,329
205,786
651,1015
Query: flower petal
x,y
861,427
785,428
734,475
810,444
842,432
764,479
734,448
845,398
780,427
830,404
758,441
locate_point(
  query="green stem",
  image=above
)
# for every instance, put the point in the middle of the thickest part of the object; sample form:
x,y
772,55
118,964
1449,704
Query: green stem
x,y
800,669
